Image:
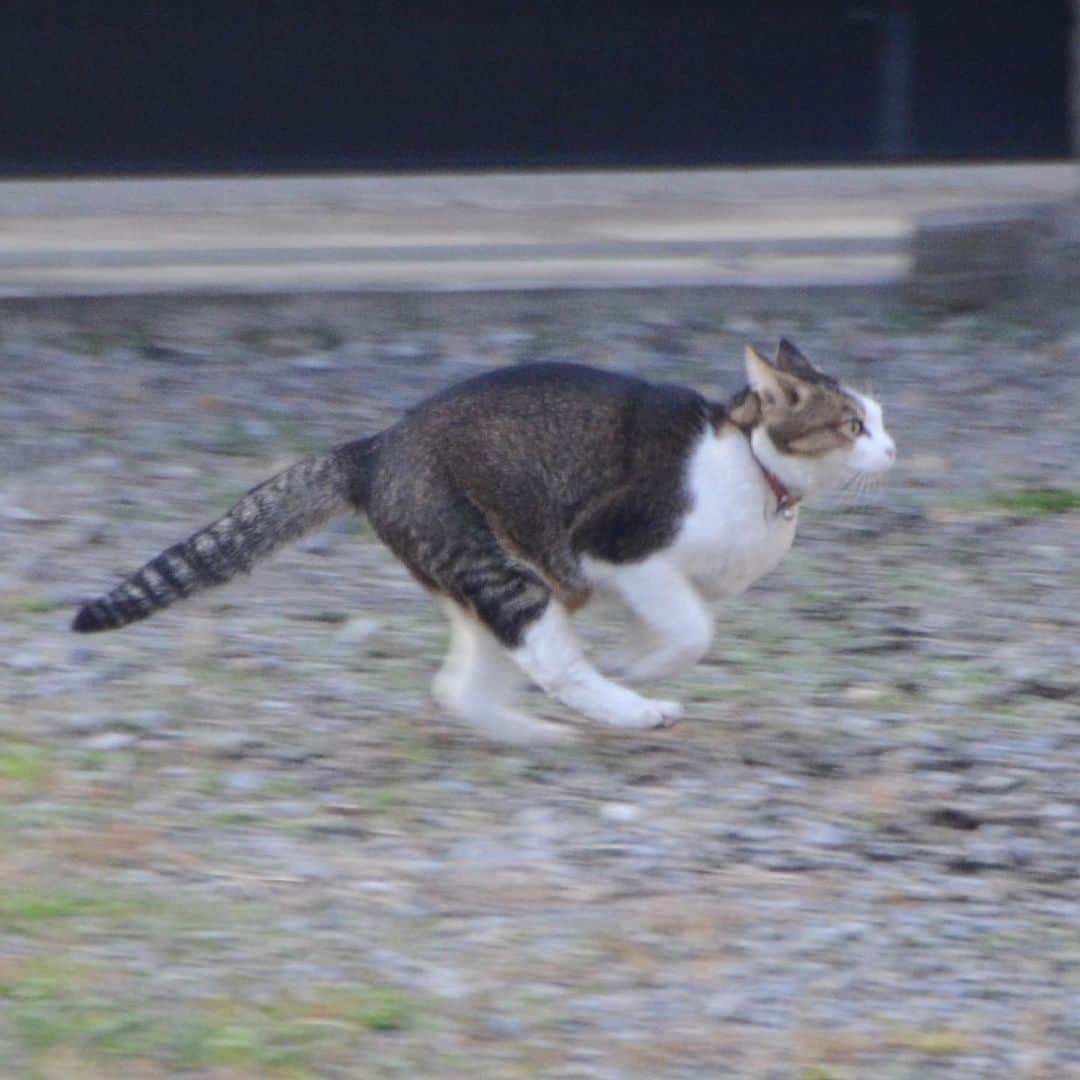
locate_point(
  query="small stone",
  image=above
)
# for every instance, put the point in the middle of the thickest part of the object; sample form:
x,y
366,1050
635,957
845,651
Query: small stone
x,y
110,740
256,428
509,338
504,1027
731,1006
826,836
995,783
994,852
82,723
230,744
148,719
13,512
532,817
402,350
27,663
244,780
356,631
173,470
741,325
620,812
314,363
311,869
866,694
290,808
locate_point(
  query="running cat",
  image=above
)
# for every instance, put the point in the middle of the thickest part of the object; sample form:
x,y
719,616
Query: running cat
x,y
516,495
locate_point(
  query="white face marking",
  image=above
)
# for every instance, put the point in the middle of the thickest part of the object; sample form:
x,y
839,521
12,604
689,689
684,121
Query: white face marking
x,y
874,450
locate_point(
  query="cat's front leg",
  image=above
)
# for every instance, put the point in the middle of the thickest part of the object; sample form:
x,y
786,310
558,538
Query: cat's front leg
x,y
552,656
673,626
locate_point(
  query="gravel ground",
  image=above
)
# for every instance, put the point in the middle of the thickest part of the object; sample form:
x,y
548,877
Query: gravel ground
x,y
238,841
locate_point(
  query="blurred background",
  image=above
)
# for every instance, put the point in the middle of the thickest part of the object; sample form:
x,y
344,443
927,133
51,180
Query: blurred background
x,y
238,840
158,87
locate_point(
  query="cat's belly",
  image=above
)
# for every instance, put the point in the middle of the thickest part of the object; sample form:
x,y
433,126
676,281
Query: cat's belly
x,y
721,558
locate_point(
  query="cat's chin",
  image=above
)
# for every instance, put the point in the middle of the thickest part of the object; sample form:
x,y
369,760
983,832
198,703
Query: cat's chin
x,y
857,468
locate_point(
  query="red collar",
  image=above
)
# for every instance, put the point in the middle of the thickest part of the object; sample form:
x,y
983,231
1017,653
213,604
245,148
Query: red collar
x,y
785,501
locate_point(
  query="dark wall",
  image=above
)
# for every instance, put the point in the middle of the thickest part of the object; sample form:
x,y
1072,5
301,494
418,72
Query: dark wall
x,y
158,86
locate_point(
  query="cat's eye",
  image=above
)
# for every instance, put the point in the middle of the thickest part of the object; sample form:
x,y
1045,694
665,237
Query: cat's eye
x,y
854,427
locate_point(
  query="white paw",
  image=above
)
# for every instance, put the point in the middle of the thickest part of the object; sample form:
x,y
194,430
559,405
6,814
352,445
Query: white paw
x,y
665,712
647,713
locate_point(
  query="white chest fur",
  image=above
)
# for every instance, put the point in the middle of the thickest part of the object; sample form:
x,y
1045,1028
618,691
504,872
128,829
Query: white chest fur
x,y
733,534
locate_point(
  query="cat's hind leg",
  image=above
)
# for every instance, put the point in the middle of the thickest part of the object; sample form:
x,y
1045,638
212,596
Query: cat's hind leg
x,y
516,605
478,683
673,626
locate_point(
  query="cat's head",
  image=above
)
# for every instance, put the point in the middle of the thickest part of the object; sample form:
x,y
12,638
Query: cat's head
x,y
814,433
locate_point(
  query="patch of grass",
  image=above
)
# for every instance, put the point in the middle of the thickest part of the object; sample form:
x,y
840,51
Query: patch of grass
x,y
23,765
916,578
375,1009
23,909
41,978
1028,502
230,437
53,1013
210,780
96,343
384,799
92,760
942,1041
30,604
1005,326
914,319
233,817
292,340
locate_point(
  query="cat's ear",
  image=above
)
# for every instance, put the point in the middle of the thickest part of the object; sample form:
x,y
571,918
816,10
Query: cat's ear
x,y
772,386
764,379
789,359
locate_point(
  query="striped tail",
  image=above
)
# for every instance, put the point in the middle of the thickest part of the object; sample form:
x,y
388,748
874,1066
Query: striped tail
x,y
281,509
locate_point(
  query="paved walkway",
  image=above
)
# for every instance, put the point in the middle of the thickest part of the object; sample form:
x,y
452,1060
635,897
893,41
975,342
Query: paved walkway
x,y
793,227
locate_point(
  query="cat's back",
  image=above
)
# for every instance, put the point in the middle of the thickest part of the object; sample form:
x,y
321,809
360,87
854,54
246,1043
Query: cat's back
x,y
527,390
550,411
556,460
